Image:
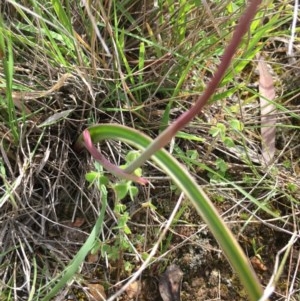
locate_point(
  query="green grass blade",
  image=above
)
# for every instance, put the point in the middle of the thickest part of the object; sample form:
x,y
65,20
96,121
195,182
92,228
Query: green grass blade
x,y
63,16
141,61
34,278
62,279
6,50
55,49
194,193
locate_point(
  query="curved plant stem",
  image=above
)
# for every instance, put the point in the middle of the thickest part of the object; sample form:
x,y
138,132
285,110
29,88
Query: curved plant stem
x,y
193,192
165,137
112,168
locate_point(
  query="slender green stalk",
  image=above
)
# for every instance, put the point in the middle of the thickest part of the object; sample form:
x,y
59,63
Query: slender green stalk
x,y
194,193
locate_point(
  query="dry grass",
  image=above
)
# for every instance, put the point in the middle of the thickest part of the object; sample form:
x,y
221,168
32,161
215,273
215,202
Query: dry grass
x,y
90,65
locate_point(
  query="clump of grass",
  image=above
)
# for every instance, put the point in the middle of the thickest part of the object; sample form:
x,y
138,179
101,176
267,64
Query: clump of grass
x,y
143,70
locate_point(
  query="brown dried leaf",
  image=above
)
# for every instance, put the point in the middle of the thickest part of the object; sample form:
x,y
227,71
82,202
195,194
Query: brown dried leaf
x,y
170,283
133,289
97,291
257,264
55,118
268,111
92,258
77,223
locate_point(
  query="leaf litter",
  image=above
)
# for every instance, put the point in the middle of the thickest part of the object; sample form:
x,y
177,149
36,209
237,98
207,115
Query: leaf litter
x,y
268,112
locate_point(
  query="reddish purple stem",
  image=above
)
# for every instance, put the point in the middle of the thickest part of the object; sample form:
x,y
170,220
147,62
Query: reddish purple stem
x,y
114,169
165,137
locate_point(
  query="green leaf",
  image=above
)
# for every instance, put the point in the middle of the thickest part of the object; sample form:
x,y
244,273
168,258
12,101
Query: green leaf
x,y
132,155
120,208
128,266
126,230
221,165
138,172
192,154
228,142
133,191
121,190
94,176
190,137
236,125
91,176
219,129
